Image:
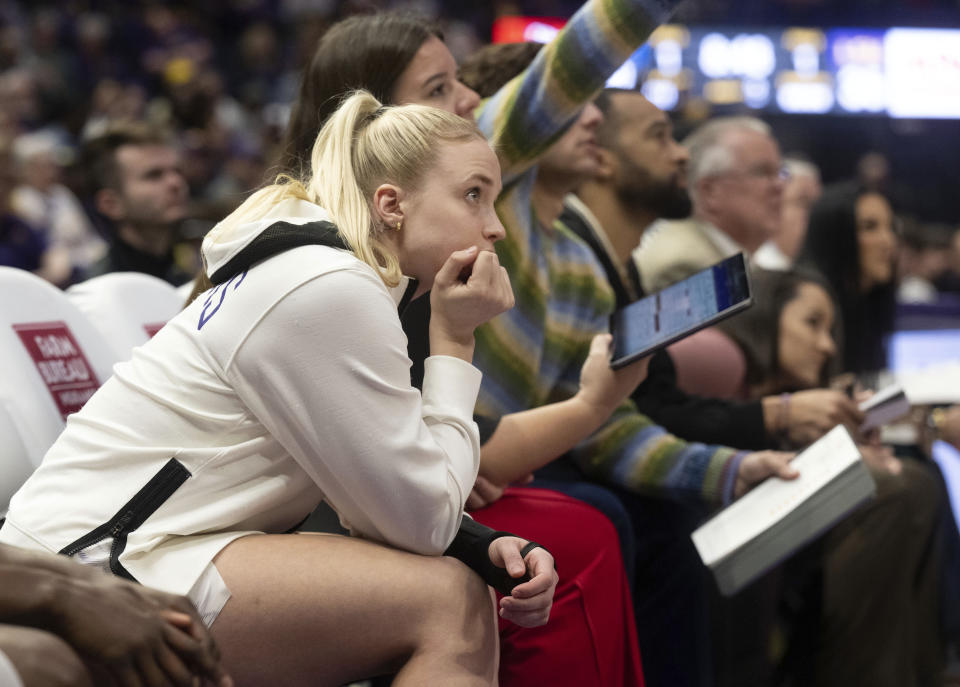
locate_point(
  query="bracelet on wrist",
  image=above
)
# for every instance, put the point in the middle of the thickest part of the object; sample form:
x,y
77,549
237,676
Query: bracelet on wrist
x,y
783,416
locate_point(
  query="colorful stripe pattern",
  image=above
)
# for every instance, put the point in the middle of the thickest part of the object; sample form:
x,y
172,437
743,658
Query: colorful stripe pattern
x,y
531,355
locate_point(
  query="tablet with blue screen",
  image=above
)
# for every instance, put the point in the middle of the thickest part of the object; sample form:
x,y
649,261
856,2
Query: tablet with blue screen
x,y
679,310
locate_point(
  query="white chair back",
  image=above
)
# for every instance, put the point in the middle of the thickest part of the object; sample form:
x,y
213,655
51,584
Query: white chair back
x,y
127,308
53,361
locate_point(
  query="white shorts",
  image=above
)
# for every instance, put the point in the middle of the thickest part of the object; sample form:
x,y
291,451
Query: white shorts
x,y
209,593
8,674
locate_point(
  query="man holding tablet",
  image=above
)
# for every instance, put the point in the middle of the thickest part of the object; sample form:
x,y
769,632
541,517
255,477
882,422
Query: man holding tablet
x,y
642,178
700,300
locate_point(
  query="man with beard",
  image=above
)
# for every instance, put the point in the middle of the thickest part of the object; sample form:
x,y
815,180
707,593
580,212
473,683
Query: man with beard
x,y
641,178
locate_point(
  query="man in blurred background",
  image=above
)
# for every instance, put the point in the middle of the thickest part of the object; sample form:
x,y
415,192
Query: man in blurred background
x,y
138,188
801,191
736,181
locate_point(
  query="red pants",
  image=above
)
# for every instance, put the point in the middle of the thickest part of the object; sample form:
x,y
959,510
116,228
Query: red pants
x,y
591,638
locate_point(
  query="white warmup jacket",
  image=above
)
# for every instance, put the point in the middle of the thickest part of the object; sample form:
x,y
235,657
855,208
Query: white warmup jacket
x,y
284,386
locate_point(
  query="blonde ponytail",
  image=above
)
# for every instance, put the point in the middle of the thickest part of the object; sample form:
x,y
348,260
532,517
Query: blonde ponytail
x,y
364,144
337,189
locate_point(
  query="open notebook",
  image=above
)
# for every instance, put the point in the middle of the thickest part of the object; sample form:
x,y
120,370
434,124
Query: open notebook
x,y
776,518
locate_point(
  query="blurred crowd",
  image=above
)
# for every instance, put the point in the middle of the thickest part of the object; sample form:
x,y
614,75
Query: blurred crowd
x,y
220,79
127,131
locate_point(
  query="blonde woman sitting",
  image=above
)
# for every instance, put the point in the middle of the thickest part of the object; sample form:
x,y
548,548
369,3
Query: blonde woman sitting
x,y
288,383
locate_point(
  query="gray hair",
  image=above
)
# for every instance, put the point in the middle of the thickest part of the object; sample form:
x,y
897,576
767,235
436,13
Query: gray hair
x,y
799,167
710,152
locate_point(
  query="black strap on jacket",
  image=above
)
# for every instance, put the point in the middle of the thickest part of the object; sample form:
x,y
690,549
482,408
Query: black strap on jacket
x,y
280,237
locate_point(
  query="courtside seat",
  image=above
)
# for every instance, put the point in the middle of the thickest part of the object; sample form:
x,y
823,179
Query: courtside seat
x,y
53,361
127,308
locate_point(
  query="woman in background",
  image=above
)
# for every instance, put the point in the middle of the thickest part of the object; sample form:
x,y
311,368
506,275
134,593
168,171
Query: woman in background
x,y
787,335
851,241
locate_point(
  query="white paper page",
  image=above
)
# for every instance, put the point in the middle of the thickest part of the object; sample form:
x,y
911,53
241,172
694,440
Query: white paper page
x,y
882,396
885,406
934,384
774,499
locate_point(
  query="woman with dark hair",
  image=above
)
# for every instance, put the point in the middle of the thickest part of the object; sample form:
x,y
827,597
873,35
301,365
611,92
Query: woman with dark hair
x,y
368,51
879,567
851,241
787,335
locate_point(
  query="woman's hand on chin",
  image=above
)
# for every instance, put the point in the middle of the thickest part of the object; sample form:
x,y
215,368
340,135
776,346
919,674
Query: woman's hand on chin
x,y
469,289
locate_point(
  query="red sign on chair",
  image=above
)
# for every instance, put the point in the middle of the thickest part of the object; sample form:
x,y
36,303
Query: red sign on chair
x,y
60,362
152,328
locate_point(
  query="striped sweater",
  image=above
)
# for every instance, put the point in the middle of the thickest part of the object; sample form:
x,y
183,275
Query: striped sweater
x,y
531,355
